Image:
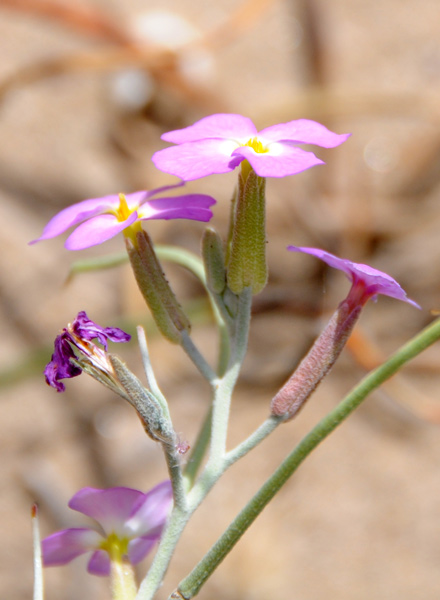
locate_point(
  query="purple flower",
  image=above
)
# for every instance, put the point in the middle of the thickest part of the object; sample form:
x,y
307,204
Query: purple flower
x,y
100,219
366,281
86,329
219,143
129,523
79,334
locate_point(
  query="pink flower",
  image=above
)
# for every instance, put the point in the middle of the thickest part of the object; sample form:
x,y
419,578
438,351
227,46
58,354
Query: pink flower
x,y
219,143
128,524
100,219
366,281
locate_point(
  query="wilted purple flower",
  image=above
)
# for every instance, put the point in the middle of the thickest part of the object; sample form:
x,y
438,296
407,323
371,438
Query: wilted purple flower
x,y
219,143
366,281
100,219
86,329
79,334
128,524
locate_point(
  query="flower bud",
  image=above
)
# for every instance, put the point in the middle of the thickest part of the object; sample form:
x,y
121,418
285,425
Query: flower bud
x,y
166,311
317,363
247,257
214,261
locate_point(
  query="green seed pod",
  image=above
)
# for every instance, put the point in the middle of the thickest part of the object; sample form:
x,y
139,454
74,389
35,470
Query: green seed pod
x,y
214,261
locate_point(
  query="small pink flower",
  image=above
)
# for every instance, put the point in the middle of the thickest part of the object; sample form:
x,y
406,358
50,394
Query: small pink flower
x,y
366,281
128,524
100,219
219,143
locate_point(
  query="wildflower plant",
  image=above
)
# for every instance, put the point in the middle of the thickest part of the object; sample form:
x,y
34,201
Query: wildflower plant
x,y
130,522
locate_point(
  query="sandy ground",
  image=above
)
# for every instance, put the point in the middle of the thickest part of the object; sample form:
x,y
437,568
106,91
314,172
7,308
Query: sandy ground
x,y
361,518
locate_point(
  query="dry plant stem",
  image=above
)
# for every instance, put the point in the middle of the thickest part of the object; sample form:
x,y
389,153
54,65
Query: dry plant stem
x,y
191,585
78,16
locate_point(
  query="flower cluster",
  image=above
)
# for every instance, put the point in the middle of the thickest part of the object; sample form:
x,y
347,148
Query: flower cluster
x,y
128,521
79,334
128,524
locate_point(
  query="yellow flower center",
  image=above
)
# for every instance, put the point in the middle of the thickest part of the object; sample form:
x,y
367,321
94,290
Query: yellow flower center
x,y
123,212
117,548
256,145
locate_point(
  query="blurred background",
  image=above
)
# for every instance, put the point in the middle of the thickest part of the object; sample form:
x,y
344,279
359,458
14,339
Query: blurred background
x,y
86,90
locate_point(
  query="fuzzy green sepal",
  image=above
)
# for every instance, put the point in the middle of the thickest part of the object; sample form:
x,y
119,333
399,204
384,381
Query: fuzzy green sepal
x,y
247,265
214,260
166,311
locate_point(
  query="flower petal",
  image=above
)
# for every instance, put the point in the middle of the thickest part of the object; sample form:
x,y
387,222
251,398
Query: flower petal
x,y
375,281
193,160
97,230
280,161
151,513
63,546
140,547
222,126
190,206
136,198
88,330
60,366
72,215
149,194
99,564
303,131
111,508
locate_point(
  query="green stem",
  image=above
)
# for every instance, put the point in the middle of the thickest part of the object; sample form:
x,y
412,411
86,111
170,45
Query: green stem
x,y
198,451
169,446
224,349
168,542
191,585
176,476
260,434
197,358
216,464
149,373
194,264
224,387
